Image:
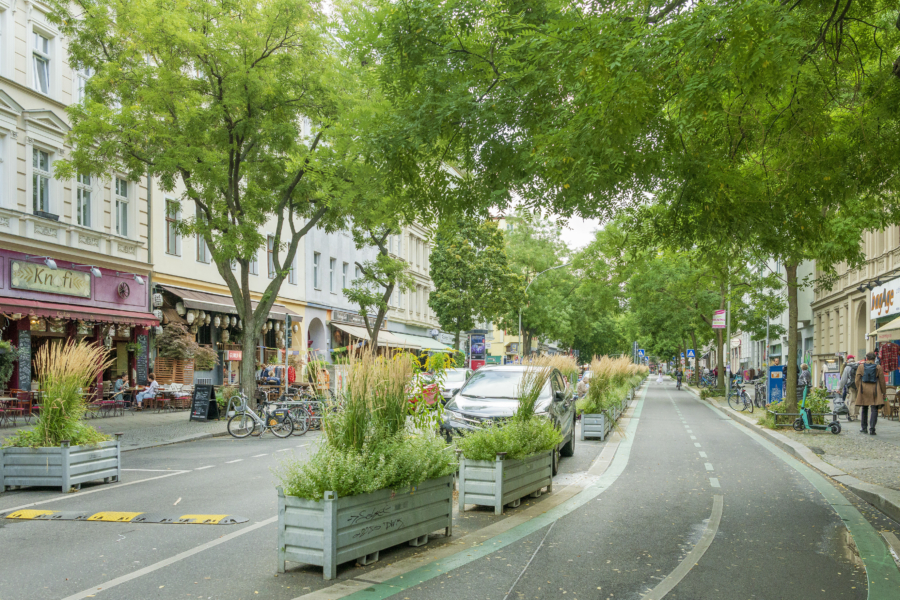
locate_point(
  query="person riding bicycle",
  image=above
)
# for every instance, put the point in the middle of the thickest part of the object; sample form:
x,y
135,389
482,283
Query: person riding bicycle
x,y
678,375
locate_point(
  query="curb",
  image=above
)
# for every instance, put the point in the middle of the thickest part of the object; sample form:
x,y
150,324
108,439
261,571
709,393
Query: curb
x,y
189,438
884,499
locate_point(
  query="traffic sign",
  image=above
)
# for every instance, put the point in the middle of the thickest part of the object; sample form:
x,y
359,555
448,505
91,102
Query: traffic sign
x,y
682,355
641,352
690,354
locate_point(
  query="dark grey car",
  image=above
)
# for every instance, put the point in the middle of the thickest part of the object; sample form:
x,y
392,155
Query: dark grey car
x,y
491,393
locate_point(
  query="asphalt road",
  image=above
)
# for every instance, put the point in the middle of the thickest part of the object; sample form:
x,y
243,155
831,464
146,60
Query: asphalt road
x,y
686,482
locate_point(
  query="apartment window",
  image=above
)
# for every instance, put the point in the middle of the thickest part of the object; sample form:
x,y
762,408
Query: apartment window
x,y
270,253
121,207
332,263
344,270
81,80
202,250
357,272
400,300
40,182
316,259
292,275
171,228
418,252
254,264
83,200
41,57
509,226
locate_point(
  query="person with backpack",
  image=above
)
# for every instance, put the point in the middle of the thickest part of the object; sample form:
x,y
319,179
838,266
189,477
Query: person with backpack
x,y
870,388
848,385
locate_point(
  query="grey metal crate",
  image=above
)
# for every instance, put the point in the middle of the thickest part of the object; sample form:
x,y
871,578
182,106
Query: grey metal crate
x,y
335,530
64,466
503,481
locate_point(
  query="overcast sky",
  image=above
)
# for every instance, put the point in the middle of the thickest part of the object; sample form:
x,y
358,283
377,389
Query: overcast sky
x,y
580,232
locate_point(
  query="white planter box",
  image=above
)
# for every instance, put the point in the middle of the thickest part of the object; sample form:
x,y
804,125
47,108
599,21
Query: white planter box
x,y
64,466
336,530
501,482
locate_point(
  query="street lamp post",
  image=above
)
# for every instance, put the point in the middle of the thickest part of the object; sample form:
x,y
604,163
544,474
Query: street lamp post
x,y
522,337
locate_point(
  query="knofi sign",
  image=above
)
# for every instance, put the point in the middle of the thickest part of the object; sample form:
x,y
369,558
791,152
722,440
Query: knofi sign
x,y
885,300
38,278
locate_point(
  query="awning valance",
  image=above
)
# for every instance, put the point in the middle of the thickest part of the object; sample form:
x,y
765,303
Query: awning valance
x,y
887,332
385,338
421,341
219,303
53,310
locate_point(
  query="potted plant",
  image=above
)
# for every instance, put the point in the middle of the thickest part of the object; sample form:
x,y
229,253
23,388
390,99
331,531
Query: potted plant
x,y
372,483
61,450
9,356
606,395
502,463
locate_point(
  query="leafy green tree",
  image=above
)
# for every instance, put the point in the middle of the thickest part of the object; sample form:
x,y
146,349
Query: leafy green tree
x,y
250,106
471,275
380,277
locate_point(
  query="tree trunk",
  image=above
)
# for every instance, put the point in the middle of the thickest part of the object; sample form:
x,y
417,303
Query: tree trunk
x,y
456,340
790,359
720,362
248,353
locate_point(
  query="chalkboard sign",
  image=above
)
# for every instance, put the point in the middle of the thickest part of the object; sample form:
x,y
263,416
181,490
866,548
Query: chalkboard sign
x,y
203,403
24,359
143,355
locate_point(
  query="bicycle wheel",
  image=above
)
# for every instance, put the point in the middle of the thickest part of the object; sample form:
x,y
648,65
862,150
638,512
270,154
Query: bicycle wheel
x,y
300,417
240,426
734,402
747,402
281,429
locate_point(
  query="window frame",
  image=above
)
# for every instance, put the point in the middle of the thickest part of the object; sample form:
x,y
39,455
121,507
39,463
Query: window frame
x,y
317,259
292,274
344,272
253,264
332,263
121,206
173,246
41,55
83,187
38,174
81,78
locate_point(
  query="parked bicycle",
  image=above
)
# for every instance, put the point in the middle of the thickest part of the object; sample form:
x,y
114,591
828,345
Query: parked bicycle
x,y
738,398
759,393
271,417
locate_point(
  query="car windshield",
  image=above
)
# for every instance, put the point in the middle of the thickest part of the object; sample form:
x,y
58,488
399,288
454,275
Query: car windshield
x,y
454,376
497,384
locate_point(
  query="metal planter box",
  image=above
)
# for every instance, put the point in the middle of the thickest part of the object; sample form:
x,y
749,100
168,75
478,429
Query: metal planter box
x,y
336,530
504,481
64,466
595,426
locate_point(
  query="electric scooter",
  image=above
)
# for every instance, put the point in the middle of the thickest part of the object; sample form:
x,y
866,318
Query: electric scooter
x,y
805,421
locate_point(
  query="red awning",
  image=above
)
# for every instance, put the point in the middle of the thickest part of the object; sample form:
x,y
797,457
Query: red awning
x,y
83,313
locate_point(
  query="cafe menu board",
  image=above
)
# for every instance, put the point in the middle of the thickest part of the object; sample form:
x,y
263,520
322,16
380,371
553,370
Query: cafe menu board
x,y
203,403
143,355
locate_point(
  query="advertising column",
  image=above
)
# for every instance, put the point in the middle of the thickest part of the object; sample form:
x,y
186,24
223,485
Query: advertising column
x,y
477,351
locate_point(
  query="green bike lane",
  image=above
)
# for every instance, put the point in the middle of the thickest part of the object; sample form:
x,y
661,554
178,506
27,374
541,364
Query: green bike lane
x,y
691,507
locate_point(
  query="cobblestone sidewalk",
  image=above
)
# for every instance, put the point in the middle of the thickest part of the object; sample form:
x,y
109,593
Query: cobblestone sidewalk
x,y
148,429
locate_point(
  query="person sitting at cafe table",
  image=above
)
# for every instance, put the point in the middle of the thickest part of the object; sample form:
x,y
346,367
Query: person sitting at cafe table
x,y
148,393
119,388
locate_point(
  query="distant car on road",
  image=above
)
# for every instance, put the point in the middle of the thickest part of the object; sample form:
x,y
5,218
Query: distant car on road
x,y
453,381
491,394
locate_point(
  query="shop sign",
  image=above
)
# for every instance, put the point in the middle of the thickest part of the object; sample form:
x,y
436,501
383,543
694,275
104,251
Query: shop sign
x,y
341,316
38,278
885,300
718,321
234,355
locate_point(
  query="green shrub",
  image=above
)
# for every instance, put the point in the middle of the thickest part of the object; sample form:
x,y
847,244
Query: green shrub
x,y
8,359
519,439
712,393
391,463
816,400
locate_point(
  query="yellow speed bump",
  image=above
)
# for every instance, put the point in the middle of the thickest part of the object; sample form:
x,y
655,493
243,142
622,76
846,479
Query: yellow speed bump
x,y
201,519
29,514
114,517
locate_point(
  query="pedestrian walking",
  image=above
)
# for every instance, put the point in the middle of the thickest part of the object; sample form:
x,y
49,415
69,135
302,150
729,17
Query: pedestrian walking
x,y
659,377
804,380
870,392
848,385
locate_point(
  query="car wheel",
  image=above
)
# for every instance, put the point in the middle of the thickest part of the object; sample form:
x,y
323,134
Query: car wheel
x,y
568,448
555,461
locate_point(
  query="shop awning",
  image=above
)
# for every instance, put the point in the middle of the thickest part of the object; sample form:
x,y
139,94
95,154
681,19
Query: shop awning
x,y
84,313
421,341
219,303
385,338
887,332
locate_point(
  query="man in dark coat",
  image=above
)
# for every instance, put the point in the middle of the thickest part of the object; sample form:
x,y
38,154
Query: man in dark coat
x,y
870,395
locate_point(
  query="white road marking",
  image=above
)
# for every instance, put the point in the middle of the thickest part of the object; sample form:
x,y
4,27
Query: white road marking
x,y
674,578
709,467
258,455
151,470
703,455
284,450
177,501
696,444
689,431
81,494
714,481
206,467
228,462
165,563
302,445
693,437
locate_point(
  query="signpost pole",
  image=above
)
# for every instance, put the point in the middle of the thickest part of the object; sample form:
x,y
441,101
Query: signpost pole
x,y
728,366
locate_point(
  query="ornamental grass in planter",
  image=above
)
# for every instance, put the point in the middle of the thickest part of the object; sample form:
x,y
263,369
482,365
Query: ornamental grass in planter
x,y
611,380
374,481
61,449
506,461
